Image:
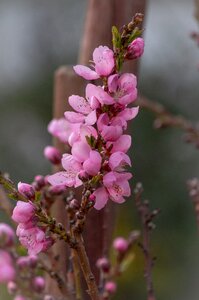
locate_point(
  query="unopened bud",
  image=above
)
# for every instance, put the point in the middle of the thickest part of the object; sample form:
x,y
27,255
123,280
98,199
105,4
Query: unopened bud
x,y
12,287
19,297
26,190
38,284
135,49
120,244
39,182
53,155
111,287
103,264
7,235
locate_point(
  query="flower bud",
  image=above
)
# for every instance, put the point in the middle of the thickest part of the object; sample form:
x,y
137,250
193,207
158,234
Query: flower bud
x,y
110,287
7,235
26,190
120,244
92,197
135,49
103,264
49,297
23,212
38,284
53,155
12,287
19,297
57,189
39,182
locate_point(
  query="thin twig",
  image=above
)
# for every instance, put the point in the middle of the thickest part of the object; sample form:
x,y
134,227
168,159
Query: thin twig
x,y
146,217
164,118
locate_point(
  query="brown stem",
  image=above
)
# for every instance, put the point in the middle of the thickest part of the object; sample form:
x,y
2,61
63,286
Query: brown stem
x,y
86,269
146,217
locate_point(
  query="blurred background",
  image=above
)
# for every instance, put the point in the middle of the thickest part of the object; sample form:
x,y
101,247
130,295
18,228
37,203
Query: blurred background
x,y
39,36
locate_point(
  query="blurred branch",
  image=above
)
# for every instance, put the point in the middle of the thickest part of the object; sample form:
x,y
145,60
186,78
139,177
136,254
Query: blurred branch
x,y
193,186
197,10
5,202
146,217
164,118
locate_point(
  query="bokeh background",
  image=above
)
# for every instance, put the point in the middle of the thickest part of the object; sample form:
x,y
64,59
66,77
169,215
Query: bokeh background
x,y
37,37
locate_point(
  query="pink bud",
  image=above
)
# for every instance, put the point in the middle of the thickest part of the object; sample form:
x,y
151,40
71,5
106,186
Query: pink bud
x,y
135,49
103,264
120,244
49,297
23,212
53,155
26,190
19,297
7,235
38,284
12,287
39,182
57,189
111,287
92,197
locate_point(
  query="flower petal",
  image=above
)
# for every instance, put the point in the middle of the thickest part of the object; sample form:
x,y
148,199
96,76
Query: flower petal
x,y
79,104
101,198
85,72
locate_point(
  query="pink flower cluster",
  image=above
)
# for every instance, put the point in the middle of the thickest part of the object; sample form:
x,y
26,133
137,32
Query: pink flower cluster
x,y
30,235
95,131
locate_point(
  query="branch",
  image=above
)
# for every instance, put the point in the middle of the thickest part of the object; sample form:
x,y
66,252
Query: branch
x,y
146,217
193,186
166,119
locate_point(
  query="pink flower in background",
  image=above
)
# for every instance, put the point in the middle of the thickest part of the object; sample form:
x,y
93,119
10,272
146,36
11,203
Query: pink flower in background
x,y
7,271
104,64
7,235
34,239
53,155
61,129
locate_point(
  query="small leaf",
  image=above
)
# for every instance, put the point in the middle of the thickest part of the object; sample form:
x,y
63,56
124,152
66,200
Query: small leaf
x,y
126,262
116,38
37,196
135,34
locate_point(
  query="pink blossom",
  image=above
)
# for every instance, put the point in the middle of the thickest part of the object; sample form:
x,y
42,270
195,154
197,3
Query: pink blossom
x,y
34,239
69,177
123,87
120,244
80,151
117,185
135,49
27,190
23,212
7,236
93,164
52,154
103,58
103,264
104,63
6,266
